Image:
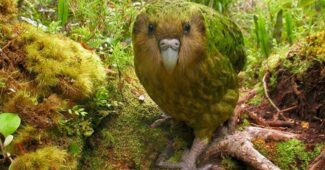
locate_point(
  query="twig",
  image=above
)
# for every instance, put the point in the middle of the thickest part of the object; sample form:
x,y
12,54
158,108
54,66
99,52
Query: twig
x,y
7,45
266,92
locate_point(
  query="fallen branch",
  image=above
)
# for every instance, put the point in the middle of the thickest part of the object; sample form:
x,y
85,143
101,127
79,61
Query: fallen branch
x,y
240,145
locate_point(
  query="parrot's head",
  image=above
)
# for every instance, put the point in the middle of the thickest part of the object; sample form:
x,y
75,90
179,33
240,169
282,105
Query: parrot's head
x,y
169,37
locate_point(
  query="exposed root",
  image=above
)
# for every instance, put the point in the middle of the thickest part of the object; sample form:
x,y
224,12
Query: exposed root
x,y
271,123
318,163
240,145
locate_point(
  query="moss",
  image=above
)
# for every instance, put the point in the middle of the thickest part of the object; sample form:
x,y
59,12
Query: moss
x,y
128,139
46,75
8,8
41,114
229,163
304,54
23,98
258,98
291,154
43,159
266,148
27,139
61,63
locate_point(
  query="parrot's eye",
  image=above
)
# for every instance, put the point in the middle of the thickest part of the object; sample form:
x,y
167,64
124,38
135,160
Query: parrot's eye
x,y
151,28
187,28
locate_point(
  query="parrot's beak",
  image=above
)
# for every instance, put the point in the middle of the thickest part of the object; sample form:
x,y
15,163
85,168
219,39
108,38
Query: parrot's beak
x,y
169,49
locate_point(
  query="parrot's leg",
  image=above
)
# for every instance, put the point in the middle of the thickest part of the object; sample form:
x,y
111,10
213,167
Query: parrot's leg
x,y
189,157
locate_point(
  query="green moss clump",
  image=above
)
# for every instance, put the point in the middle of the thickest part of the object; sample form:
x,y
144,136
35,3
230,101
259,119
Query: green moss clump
x,y
291,151
42,159
61,64
288,155
8,8
315,46
304,55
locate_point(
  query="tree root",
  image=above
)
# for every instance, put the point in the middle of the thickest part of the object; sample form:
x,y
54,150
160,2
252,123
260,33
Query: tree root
x,y
240,108
240,146
319,162
271,123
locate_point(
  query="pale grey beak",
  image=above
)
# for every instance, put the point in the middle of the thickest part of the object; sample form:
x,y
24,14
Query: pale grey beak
x,y
169,49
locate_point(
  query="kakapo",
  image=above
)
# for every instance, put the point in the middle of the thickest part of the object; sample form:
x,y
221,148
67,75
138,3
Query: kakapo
x,y
187,57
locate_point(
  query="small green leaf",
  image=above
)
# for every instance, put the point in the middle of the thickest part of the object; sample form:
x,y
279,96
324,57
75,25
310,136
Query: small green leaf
x,y
9,122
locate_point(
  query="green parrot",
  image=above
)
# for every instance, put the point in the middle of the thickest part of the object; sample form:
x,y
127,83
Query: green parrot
x,y
187,57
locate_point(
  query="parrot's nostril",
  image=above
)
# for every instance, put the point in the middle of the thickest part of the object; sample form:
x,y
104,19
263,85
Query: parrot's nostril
x,y
169,43
162,43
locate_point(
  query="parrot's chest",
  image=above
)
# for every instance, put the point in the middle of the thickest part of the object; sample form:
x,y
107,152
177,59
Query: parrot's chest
x,y
185,96
203,97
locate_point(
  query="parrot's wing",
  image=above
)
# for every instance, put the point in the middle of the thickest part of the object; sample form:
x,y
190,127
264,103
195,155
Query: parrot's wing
x,y
226,37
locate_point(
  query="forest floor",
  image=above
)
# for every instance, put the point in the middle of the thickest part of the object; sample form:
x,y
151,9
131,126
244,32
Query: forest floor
x,y
279,121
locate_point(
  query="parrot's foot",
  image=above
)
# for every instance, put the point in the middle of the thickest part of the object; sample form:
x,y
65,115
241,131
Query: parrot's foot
x,y
189,157
163,119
